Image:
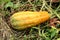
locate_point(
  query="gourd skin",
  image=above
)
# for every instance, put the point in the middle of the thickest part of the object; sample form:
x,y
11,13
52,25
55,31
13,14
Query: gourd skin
x,y
26,19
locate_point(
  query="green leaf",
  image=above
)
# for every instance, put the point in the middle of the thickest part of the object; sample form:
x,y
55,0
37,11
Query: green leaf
x,y
4,1
9,4
53,33
47,38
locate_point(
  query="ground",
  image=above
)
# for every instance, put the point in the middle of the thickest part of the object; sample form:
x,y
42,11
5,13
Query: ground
x,y
49,30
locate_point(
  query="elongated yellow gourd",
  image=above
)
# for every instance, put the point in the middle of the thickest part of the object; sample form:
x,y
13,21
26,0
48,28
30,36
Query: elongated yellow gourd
x,y
26,19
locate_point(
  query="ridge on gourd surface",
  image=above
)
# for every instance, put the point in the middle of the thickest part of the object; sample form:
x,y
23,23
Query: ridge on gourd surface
x,y
26,19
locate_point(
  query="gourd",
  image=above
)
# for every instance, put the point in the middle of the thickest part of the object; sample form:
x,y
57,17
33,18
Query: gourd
x,y
27,19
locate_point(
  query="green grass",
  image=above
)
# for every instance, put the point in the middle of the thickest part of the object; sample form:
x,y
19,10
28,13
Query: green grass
x,y
42,31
